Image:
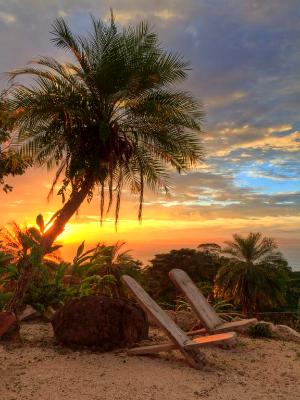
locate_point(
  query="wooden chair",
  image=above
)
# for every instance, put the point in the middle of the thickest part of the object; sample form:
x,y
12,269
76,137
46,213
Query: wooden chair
x,y
179,340
203,310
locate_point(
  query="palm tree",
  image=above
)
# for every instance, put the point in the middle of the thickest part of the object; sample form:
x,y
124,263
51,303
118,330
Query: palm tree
x,y
18,242
111,260
107,262
254,275
111,118
26,243
23,246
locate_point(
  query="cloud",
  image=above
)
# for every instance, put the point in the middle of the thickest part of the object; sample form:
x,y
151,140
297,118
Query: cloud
x,y
245,68
7,18
167,15
220,101
244,140
164,14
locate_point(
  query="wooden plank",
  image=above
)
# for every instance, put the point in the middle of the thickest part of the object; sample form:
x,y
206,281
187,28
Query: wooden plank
x,y
227,326
200,332
152,349
193,356
203,310
236,325
229,337
197,342
151,307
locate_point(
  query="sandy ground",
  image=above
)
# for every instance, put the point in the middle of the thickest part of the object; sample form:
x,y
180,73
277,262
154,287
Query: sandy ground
x,y
42,370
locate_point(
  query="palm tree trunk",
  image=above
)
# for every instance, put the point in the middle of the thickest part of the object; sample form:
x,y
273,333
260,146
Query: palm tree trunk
x,y
67,211
21,286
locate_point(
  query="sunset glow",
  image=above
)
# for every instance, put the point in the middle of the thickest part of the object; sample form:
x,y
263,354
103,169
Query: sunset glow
x,y
250,89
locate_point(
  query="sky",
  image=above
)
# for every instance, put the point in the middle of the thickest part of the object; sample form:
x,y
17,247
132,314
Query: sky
x,y
245,69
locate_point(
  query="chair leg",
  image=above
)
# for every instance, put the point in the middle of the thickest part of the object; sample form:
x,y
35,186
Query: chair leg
x,y
194,357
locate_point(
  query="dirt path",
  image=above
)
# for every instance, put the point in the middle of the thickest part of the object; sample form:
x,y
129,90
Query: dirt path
x,y
41,370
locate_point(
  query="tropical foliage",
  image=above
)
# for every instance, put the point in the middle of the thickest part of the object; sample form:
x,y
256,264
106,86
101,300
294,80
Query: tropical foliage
x,y
111,117
230,278
293,291
21,242
11,161
201,266
94,271
17,243
255,274
99,269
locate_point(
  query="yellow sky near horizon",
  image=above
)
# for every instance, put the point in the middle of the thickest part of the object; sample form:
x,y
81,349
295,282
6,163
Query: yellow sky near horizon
x,y
164,226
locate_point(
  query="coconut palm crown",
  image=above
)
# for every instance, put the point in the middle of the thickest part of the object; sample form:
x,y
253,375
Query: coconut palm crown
x,y
252,249
112,117
254,274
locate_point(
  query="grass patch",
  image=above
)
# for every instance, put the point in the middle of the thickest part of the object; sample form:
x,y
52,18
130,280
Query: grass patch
x,y
260,330
241,344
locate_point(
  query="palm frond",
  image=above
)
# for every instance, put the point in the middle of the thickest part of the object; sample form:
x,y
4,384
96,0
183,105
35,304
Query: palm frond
x,y
110,116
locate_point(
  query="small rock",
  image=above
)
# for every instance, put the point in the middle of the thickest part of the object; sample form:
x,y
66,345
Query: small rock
x,y
28,313
268,324
49,313
286,333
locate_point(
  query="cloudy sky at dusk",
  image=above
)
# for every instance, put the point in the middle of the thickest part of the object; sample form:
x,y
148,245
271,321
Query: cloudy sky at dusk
x,y
245,59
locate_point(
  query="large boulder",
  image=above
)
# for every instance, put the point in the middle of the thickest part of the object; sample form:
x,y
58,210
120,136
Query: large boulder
x,y
101,322
8,326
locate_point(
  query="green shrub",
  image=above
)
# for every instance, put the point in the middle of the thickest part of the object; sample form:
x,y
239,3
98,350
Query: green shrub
x,y
40,295
260,330
4,299
97,285
225,310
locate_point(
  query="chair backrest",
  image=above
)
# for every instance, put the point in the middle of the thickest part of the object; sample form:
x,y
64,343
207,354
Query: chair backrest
x,y
198,302
158,314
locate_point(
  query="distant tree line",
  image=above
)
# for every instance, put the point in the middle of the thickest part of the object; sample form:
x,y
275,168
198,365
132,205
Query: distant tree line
x,y
249,273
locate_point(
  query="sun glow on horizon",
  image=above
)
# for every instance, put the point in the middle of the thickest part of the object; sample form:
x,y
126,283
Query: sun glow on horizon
x,y
249,180
152,229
